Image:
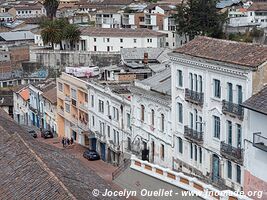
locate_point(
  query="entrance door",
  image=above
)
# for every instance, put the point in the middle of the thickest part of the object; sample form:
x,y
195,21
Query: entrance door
x,y
215,167
93,143
103,151
86,140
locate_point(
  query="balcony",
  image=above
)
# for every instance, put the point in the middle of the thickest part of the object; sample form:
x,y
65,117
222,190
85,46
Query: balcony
x,y
83,125
193,135
84,106
260,141
232,109
232,153
34,110
194,97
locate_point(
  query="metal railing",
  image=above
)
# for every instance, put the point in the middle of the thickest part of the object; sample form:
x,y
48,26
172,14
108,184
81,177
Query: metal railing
x,y
194,97
126,163
193,135
259,141
232,153
232,108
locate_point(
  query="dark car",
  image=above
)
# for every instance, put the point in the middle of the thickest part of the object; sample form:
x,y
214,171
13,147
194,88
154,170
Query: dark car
x,y
91,155
33,133
47,134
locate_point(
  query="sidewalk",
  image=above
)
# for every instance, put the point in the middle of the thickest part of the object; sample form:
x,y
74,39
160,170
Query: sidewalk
x,y
103,169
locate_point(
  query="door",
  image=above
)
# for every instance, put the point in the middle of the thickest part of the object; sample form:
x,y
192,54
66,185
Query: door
x,y
33,119
215,167
93,144
103,151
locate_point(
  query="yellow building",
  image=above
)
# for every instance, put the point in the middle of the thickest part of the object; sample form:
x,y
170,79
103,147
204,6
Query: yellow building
x,y
72,108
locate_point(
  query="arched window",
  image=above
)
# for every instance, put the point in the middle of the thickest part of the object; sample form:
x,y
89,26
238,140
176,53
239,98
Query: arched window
x,y
142,113
152,117
162,122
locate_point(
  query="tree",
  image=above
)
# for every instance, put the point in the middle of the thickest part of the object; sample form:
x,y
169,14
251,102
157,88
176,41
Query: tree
x,y
50,33
51,8
71,33
199,17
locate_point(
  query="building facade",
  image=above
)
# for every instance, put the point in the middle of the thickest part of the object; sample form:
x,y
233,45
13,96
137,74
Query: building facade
x,y
209,124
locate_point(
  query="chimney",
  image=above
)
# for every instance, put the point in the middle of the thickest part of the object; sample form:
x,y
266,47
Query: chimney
x,y
145,58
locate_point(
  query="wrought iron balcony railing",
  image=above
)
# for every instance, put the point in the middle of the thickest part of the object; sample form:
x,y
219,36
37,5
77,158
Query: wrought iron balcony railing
x,y
232,109
193,135
232,153
194,97
260,141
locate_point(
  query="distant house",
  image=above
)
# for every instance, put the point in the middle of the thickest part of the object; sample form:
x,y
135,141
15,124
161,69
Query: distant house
x,y
6,17
27,10
16,37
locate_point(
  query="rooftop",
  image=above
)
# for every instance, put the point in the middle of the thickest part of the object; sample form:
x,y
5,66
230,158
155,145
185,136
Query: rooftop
x,y
30,169
258,6
258,102
239,53
13,36
117,32
51,95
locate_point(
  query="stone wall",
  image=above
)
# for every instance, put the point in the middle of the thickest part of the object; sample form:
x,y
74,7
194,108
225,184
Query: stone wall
x,y
62,59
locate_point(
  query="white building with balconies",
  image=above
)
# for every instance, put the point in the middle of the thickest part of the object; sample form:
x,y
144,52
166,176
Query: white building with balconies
x,y
211,78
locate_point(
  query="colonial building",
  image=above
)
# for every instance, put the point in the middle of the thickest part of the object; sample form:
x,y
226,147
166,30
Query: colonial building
x,y
110,119
72,108
21,98
151,119
255,178
211,78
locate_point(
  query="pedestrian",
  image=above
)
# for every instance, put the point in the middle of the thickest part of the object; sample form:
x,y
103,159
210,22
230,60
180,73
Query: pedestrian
x,y
63,142
68,141
71,140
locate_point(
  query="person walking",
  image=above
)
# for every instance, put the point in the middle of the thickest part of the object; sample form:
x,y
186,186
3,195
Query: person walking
x,y
71,140
63,142
68,141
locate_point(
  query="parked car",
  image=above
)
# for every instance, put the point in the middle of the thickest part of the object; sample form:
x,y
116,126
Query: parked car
x,y
47,134
91,155
33,133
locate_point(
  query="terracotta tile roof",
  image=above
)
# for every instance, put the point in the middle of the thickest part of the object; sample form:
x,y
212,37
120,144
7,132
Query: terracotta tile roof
x,y
258,6
258,102
30,169
51,95
25,94
244,54
116,32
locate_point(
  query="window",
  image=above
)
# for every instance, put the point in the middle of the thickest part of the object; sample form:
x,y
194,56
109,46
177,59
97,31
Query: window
x,y
92,101
60,86
95,48
229,169
129,143
239,94
100,106
180,112
67,108
142,113
152,117
101,128
114,136
128,120
180,78
191,120
191,83
217,127
196,83
73,93
162,122
74,135
115,114
191,150
134,40
238,174
180,145
217,88
230,92
200,83
121,40
200,155
229,132
108,130
239,135
195,152
94,39
108,108
93,120
107,39
162,153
